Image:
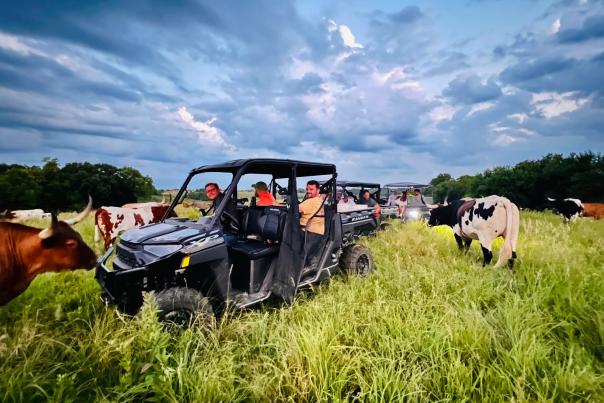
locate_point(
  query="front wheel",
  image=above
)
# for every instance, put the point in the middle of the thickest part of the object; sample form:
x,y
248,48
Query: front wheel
x,y
357,259
181,305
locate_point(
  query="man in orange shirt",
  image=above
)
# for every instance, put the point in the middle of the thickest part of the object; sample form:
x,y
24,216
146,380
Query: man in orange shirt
x,y
265,198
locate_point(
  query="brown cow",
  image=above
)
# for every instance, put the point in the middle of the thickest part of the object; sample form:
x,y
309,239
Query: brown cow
x,y
26,252
595,210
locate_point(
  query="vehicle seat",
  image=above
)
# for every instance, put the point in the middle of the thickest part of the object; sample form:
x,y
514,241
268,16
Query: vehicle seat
x,y
265,222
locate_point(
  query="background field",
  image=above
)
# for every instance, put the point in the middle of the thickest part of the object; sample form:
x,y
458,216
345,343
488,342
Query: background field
x,y
428,324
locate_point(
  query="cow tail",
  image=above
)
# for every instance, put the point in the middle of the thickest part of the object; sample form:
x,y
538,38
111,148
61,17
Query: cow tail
x,y
97,233
506,251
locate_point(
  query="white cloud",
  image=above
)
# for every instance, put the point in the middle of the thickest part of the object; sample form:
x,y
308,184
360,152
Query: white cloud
x,y
483,106
505,140
442,112
519,117
552,104
349,38
555,27
207,134
345,33
15,44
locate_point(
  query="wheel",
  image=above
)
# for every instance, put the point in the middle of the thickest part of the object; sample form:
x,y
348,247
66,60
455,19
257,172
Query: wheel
x,y
130,303
384,226
357,259
180,306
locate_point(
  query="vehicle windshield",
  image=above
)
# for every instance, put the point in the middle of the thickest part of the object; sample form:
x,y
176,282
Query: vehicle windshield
x,y
197,199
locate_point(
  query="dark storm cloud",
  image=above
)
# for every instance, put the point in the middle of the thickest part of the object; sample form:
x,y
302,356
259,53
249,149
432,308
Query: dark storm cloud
x,y
446,62
471,89
523,45
557,74
593,27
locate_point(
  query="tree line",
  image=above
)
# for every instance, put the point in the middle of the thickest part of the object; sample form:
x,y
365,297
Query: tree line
x,y
529,183
55,188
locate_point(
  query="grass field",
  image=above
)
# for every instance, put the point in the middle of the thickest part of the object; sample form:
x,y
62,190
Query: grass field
x,y
429,324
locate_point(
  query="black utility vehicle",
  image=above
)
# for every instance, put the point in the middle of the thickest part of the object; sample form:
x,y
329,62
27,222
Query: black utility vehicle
x,y
354,189
417,208
244,253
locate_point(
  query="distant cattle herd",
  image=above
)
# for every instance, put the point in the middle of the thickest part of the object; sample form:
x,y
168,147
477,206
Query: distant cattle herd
x,y
27,251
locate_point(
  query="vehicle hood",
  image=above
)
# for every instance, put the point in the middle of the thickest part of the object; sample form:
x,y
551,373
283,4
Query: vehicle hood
x,y
168,232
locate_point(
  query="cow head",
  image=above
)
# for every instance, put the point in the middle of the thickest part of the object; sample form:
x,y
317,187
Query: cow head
x,y
62,248
7,216
437,216
568,208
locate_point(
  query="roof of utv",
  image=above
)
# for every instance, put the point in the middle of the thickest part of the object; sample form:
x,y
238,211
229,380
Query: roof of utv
x,y
279,168
356,184
405,185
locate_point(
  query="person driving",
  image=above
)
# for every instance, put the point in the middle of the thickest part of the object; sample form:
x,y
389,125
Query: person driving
x,y
264,197
369,201
215,195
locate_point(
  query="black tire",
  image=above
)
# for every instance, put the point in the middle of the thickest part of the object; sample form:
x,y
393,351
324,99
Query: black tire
x,y
357,259
181,306
130,303
385,226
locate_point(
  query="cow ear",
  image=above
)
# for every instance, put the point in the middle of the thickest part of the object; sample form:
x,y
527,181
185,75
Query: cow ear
x,y
48,232
71,243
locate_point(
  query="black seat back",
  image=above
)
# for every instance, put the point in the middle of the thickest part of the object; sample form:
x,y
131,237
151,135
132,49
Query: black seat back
x,y
271,223
268,222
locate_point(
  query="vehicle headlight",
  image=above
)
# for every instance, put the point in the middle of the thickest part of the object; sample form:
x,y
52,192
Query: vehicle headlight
x,y
413,213
161,250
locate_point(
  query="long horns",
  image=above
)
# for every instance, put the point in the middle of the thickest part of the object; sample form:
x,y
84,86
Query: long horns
x,y
47,232
82,215
550,199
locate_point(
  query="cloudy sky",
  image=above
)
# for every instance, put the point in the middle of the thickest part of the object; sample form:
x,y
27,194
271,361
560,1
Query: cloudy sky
x,y
388,90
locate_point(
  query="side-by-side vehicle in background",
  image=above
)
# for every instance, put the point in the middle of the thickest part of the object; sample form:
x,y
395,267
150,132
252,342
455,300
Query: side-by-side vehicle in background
x,y
241,255
418,208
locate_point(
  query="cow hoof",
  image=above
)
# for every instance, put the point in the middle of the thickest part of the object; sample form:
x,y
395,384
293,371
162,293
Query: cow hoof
x,y
514,255
511,264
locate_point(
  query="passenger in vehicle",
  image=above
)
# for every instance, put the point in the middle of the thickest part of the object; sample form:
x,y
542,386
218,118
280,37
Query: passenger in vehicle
x,y
369,201
401,204
346,203
392,199
264,197
215,195
312,220
417,200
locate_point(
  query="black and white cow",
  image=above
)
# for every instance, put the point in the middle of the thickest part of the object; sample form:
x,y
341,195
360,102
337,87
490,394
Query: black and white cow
x,y
569,208
483,219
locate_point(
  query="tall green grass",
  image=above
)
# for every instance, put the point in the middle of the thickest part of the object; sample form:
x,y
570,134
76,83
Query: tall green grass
x,y
430,324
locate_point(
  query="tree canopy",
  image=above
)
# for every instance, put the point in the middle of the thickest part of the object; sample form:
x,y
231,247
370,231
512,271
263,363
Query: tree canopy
x,y
529,183
53,188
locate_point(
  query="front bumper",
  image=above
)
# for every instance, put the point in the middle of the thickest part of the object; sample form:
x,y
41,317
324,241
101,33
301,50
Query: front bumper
x,y
115,284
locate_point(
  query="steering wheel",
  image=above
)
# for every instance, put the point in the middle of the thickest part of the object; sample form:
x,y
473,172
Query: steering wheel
x,y
229,220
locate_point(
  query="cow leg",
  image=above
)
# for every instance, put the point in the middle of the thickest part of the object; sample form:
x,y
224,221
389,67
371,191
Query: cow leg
x,y
459,241
487,255
466,243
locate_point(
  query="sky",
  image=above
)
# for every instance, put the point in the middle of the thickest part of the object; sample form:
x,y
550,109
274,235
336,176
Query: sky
x,y
387,90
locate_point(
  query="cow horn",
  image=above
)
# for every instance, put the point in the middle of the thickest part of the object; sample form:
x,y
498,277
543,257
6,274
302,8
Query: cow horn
x,y
47,232
163,198
431,206
82,215
550,199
